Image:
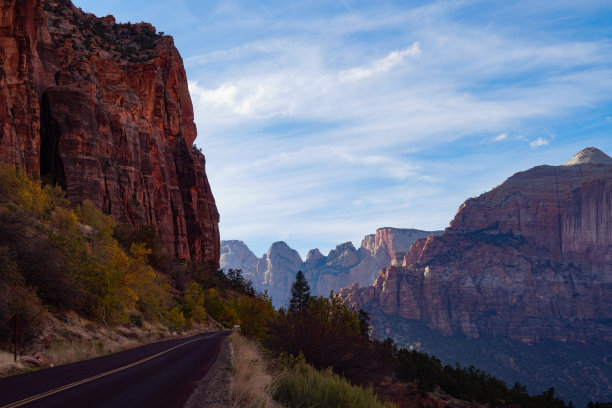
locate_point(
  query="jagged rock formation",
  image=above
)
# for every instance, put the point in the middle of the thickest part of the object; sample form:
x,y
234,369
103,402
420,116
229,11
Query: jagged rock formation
x,y
103,109
345,264
275,271
236,255
530,260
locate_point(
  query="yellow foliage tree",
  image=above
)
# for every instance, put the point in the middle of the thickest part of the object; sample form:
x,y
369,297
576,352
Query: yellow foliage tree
x,y
255,313
103,224
193,302
152,291
176,319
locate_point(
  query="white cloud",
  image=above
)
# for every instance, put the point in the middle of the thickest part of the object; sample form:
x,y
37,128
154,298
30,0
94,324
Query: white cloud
x,y
500,137
538,142
380,66
225,95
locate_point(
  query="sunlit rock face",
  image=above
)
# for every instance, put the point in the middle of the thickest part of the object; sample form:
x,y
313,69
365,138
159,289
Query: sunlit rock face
x,y
530,260
344,265
236,255
103,109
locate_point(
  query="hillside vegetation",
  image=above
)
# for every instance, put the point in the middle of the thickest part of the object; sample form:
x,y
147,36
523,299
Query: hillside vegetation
x,y
57,258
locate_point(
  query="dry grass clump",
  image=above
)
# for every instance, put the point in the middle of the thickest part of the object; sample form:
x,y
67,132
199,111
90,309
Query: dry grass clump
x,y
251,384
63,353
6,358
60,354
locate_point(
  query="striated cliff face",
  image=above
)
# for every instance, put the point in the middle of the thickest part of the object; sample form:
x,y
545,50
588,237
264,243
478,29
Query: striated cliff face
x,y
103,109
275,271
530,260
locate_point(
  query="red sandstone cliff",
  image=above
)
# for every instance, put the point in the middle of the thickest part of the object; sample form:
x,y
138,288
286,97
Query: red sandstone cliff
x,y
530,259
104,110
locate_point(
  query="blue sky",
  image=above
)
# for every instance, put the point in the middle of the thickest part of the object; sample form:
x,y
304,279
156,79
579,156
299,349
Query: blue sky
x,y
322,121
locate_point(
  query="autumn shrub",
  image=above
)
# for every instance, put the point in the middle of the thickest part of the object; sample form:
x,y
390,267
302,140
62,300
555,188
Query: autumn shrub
x,y
151,289
146,234
39,262
208,275
175,319
229,316
213,303
27,193
103,224
255,314
193,302
16,298
70,259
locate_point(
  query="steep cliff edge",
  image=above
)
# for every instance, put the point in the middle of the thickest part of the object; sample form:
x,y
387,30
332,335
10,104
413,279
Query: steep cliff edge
x,y
103,109
530,260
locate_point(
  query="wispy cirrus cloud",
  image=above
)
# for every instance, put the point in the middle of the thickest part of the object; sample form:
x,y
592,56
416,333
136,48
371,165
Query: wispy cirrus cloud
x,y
380,66
329,126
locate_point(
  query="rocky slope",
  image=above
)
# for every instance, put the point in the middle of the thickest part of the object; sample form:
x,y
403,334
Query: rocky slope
x,y
103,109
530,260
275,271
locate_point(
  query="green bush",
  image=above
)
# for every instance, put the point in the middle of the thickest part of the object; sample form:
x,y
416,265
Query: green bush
x,y
303,386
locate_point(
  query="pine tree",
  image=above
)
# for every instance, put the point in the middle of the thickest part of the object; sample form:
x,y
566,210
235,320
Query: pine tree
x,y
364,323
300,293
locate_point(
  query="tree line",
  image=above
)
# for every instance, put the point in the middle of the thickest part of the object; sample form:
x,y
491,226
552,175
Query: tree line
x,y
328,334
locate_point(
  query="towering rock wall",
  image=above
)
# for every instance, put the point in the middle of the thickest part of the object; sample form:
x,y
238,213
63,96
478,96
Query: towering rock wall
x,y
275,271
103,109
530,260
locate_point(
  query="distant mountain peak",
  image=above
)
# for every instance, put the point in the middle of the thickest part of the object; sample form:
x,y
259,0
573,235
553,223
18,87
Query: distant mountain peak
x,y
590,155
275,270
314,254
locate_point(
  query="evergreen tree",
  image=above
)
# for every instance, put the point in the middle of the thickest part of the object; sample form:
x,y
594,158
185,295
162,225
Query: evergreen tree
x,y
364,323
300,293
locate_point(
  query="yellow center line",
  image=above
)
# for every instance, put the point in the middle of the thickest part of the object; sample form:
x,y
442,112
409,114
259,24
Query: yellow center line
x,y
95,377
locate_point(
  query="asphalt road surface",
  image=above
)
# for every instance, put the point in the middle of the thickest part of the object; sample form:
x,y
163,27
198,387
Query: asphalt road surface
x,y
160,375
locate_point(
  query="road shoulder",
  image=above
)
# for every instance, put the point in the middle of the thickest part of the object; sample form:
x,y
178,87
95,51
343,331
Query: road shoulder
x,y
214,389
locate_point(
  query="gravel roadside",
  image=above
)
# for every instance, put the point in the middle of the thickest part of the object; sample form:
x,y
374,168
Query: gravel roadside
x,y
214,390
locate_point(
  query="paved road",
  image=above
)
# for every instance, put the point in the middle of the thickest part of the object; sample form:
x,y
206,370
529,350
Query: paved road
x,y
160,375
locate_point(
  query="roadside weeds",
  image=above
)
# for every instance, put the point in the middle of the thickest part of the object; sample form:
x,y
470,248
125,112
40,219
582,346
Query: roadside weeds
x,y
251,384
